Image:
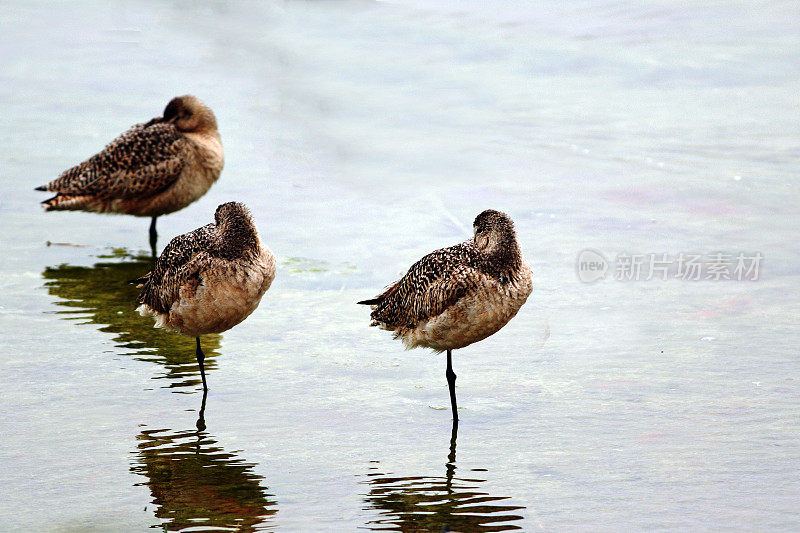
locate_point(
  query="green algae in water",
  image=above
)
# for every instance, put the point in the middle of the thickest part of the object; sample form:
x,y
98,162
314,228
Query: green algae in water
x,y
303,265
102,295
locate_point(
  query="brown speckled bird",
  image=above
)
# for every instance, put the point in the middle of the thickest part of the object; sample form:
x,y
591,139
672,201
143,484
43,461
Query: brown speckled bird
x,y
210,279
459,295
152,169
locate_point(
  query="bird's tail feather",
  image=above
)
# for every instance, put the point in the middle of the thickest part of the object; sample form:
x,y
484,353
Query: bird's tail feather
x,y
140,281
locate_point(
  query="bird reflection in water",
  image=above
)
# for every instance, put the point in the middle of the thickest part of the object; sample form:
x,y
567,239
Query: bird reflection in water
x,y
101,295
197,485
449,503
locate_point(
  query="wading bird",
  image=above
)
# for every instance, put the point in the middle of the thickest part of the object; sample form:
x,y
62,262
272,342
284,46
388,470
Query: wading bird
x,y
458,295
210,279
152,169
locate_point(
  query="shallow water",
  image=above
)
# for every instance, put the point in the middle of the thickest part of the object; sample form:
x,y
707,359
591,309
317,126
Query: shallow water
x,y
363,135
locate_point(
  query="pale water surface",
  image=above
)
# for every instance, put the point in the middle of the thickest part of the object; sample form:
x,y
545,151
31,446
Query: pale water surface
x,y
363,135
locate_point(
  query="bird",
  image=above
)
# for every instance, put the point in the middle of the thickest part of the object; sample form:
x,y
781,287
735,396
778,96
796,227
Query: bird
x,y
459,295
154,168
210,279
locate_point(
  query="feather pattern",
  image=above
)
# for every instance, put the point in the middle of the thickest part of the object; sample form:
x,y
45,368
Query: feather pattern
x,y
430,286
181,262
144,160
458,295
210,279
154,168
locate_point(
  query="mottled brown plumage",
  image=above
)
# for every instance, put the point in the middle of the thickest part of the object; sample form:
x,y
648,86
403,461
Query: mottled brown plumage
x,y
459,295
210,279
201,273
152,169
141,161
489,263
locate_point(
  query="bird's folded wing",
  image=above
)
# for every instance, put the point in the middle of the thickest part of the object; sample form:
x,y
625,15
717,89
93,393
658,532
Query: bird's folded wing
x,y
180,264
144,160
430,286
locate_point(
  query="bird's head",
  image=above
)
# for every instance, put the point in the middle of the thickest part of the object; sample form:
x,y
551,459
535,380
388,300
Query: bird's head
x,y
232,212
189,114
493,228
237,229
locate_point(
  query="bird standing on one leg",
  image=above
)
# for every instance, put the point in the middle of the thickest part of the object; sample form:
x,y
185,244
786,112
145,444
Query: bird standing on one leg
x,y
152,169
458,295
210,279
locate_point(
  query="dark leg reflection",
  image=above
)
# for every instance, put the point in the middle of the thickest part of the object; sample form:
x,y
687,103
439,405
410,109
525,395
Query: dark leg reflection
x,y
437,504
197,485
101,295
201,416
450,466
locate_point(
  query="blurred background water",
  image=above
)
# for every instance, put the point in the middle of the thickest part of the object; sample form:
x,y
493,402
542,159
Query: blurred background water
x,y
363,135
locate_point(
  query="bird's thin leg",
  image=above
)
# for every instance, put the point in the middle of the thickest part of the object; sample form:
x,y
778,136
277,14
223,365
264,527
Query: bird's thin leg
x,y
200,358
153,236
451,382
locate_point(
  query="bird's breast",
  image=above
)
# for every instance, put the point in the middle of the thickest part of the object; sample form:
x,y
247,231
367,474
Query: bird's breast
x,y
488,307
